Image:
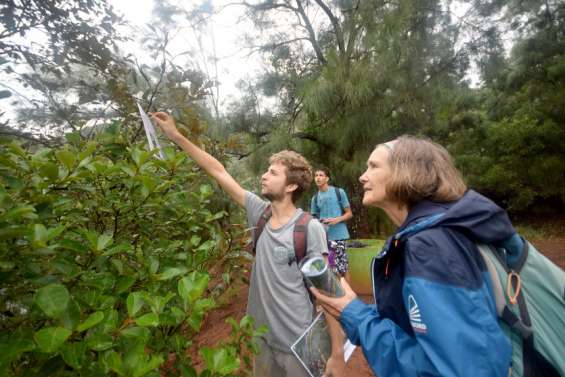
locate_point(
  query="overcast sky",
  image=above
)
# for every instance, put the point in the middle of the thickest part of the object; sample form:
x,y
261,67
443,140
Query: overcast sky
x,y
225,29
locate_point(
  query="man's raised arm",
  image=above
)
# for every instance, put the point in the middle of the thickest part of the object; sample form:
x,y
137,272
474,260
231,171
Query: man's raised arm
x,y
212,166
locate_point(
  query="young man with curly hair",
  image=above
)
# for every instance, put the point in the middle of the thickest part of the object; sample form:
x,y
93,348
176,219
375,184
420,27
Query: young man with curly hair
x,y
277,295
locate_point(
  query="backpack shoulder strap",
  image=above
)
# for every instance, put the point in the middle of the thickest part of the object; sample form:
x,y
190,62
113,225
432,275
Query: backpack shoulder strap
x,y
317,203
300,237
265,216
338,195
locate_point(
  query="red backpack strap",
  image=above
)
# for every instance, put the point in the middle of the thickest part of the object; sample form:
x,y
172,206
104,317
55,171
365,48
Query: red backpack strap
x,y
300,236
265,216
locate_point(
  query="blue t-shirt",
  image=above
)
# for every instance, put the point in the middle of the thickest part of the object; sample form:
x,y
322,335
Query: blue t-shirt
x,y
328,206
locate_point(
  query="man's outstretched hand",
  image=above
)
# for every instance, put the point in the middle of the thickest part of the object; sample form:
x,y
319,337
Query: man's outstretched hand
x,y
166,123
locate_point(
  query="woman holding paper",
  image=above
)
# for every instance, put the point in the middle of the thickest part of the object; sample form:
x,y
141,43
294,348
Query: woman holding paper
x,y
434,313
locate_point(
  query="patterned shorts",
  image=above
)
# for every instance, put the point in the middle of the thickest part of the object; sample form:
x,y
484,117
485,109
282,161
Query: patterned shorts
x,y
338,257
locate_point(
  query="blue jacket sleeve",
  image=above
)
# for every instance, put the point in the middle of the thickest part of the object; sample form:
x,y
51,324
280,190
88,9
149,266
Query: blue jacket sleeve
x,y
387,348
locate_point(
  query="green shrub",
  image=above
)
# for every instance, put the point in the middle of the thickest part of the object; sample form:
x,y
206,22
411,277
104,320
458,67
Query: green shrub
x,y
104,253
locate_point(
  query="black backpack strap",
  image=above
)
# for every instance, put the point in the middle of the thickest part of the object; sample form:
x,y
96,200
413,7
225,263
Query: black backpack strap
x,y
316,205
265,216
300,237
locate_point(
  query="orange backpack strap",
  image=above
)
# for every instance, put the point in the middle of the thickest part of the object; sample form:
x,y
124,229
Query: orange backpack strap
x,y
265,216
300,236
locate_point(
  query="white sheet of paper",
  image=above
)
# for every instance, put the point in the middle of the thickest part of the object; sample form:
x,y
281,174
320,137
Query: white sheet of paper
x,y
150,132
348,349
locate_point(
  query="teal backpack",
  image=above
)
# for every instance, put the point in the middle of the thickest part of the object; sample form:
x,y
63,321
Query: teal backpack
x,y
530,301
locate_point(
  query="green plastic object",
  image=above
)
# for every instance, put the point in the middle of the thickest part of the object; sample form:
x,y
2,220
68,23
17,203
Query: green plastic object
x,y
360,264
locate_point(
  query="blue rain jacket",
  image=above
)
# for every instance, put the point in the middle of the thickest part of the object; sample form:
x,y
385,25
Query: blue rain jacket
x,y
435,314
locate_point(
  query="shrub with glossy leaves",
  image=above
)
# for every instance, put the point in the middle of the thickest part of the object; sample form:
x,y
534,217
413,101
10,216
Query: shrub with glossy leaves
x,y
104,252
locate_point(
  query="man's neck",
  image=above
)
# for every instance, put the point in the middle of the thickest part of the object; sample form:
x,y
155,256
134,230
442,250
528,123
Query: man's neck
x,y
324,188
283,210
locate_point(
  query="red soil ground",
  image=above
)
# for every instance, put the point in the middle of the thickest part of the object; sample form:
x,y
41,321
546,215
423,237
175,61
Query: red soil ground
x,y
215,329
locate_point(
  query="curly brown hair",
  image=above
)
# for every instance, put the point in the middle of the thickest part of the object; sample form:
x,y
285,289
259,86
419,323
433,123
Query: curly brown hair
x,y
298,171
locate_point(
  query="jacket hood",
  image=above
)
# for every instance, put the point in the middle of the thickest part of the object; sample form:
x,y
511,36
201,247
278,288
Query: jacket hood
x,y
473,214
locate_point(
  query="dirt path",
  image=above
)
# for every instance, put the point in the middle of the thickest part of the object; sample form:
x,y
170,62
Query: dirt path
x,y
215,329
554,249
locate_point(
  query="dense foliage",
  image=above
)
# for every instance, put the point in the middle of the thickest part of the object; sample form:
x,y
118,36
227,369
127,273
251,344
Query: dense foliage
x,y
105,253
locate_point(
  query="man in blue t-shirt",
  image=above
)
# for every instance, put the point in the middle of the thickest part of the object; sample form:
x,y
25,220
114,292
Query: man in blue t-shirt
x,y
331,206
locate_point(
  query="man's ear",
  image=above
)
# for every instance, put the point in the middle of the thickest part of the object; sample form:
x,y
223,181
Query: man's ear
x,y
291,188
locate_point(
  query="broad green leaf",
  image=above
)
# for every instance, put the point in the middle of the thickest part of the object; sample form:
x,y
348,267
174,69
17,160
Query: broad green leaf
x,y
207,246
188,371
178,314
124,283
172,272
116,249
11,232
49,339
110,322
71,317
18,150
99,342
147,366
195,240
114,362
192,286
84,162
204,304
156,302
134,355
127,169
153,265
134,303
143,333
138,156
206,190
39,236
12,346
88,149
49,170
68,269
195,320
73,354
106,302
92,320
72,245
118,265
52,299
149,319
103,241
20,212
67,158
221,360
54,232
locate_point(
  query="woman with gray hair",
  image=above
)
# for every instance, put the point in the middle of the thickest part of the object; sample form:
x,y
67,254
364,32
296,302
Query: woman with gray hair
x,y
434,312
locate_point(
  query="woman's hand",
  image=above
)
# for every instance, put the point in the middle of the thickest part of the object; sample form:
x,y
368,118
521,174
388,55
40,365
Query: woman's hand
x,y
335,305
166,123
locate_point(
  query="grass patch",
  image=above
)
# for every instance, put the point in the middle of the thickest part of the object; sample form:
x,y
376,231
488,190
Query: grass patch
x,y
539,232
